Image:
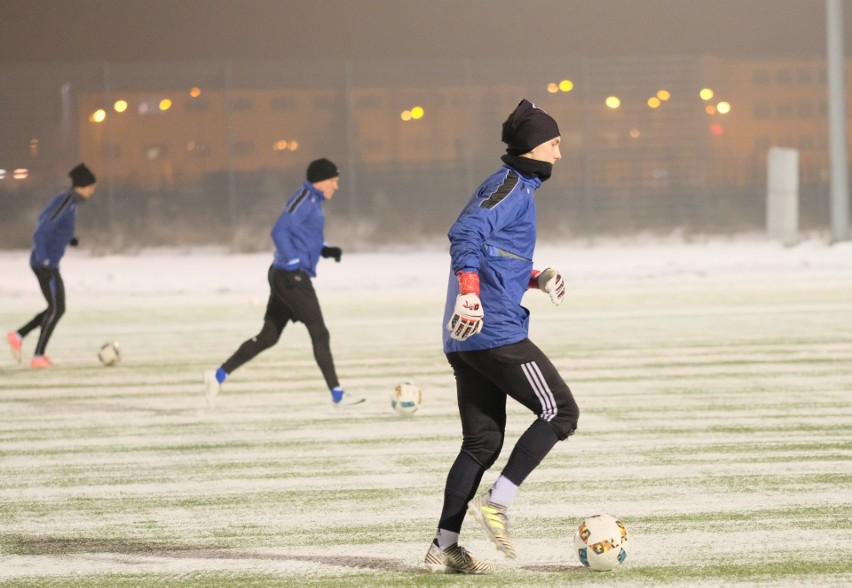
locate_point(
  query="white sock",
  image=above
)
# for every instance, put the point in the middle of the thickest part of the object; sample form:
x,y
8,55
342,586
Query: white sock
x,y
445,538
503,491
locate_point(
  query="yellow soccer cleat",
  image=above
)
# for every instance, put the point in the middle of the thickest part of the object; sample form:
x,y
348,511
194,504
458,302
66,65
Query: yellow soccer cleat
x,y
455,559
495,520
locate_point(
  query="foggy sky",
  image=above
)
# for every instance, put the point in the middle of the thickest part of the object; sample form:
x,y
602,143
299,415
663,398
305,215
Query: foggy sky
x,y
169,30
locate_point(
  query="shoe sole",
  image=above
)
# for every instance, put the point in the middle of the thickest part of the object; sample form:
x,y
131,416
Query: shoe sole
x,y
339,404
440,569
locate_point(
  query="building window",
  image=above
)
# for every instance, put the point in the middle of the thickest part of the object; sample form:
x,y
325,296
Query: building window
x,y
282,103
762,110
783,76
784,111
325,103
806,143
761,76
240,104
369,101
804,76
197,105
805,110
242,148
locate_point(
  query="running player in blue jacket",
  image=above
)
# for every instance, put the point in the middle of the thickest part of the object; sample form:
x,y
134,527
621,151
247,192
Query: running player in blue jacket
x,y
299,243
485,341
54,231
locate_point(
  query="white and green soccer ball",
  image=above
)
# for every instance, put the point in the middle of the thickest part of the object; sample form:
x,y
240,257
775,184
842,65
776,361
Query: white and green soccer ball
x,y
110,353
406,399
601,543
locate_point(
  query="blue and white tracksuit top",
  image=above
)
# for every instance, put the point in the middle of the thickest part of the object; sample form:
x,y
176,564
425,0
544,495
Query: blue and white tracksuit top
x,y
299,232
54,229
494,236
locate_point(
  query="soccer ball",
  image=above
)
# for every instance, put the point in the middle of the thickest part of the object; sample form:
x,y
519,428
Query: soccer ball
x,y
110,353
406,399
601,543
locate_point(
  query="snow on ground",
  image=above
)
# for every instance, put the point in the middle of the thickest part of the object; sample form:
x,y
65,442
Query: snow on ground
x,y
211,272
125,470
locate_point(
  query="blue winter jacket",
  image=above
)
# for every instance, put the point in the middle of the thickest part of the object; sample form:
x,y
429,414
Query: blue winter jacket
x,y
298,233
494,236
54,229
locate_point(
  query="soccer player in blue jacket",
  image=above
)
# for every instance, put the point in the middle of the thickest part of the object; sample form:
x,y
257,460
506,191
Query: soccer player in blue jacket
x,y
299,243
54,231
485,341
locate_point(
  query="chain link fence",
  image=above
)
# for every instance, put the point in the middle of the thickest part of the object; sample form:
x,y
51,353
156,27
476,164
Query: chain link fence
x,y
202,153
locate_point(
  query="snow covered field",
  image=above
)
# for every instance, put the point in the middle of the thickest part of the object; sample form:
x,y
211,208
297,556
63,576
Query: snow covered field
x,y
714,380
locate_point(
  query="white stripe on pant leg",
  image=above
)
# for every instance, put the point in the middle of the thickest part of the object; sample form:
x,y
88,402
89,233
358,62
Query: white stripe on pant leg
x,y
541,389
551,400
536,387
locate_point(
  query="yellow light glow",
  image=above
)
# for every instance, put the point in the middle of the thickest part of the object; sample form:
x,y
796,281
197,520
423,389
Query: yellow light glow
x,y
664,95
195,92
165,104
566,85
406,115
613,102
635,133
710,109
21,173
98,116
653,102
120,105
723,108
280,145
294,145
706,94
553,87
417,112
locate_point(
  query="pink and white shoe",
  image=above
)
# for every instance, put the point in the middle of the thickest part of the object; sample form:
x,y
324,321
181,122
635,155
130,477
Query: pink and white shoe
x,y
14,340
41,361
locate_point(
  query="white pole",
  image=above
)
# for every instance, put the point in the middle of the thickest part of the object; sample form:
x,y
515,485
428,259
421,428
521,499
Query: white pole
x,y
837,122
782,195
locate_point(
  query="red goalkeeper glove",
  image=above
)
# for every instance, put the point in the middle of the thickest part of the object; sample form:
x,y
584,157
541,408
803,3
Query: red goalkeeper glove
x,y
467,315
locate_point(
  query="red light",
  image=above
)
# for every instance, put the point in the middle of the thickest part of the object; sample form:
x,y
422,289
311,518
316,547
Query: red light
x,y
717,129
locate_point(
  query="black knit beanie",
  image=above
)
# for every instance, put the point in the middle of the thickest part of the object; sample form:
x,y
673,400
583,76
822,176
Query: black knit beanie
x,y
322,169
528,127
81,176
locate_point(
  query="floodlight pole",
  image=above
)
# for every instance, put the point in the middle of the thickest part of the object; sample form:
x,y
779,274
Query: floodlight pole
x,y
837,122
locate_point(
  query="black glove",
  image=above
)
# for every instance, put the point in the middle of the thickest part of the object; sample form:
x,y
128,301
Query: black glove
x,y
335,252
73,242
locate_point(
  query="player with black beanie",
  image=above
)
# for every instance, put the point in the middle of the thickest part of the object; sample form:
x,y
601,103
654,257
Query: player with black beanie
x,y
54,232
486,342
299,243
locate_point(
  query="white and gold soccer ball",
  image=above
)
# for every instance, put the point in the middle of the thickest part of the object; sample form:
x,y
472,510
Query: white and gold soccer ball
x,y
110,353
406,399
601,543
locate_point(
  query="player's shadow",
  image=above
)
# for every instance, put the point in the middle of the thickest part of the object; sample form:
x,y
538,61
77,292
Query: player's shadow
x,y
46,545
